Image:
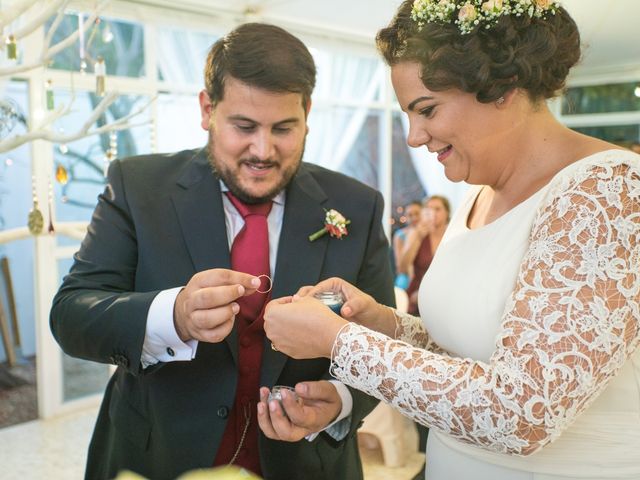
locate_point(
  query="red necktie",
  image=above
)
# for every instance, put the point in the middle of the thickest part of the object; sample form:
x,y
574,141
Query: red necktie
x,y
250,253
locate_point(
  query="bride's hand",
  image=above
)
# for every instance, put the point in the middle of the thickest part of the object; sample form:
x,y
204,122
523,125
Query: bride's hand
x,y
301,327
358,306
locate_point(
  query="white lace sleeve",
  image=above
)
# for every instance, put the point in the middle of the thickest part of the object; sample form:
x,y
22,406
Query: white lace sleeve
x,y
569,325
410,329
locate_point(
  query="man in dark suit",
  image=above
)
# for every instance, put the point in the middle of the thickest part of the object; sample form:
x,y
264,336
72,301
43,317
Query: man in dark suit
x,y
153,289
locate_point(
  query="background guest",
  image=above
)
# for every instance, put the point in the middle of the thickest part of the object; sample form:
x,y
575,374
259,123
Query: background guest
x,y
412,213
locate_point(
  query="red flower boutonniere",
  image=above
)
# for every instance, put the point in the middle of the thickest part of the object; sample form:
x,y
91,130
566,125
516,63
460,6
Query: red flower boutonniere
x,y
334,224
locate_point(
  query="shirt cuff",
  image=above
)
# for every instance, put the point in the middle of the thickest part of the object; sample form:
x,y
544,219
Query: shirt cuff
x,y
161,341
339,428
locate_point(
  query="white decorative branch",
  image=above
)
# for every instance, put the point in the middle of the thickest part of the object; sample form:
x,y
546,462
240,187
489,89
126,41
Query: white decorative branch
x,y
9,14
43,130
49,51
40,19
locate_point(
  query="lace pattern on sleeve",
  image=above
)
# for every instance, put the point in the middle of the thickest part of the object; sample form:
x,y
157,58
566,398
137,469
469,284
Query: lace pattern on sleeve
x,y
569,325
410,329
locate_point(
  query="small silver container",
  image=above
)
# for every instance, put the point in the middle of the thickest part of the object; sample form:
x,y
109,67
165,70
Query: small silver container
x,y
276,392
333,300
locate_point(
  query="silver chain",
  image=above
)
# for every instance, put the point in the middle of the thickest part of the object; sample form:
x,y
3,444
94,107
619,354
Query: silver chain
x,y
246,408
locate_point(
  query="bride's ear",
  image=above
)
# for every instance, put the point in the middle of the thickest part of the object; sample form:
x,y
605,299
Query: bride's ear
x,y
506,99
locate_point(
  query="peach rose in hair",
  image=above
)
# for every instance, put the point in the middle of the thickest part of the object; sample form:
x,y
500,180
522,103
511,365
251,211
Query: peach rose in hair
x,y
543,4
492,5
467,13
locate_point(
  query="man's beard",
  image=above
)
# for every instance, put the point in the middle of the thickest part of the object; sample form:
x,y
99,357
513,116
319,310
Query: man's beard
x,y
228,177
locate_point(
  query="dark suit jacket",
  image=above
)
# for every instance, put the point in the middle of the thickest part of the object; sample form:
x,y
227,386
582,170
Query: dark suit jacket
x,y
159,221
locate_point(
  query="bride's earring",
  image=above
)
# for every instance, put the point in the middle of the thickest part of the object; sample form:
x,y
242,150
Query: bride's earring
x,y
500,101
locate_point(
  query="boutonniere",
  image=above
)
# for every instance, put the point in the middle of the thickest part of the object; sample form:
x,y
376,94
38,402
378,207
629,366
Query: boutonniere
x,y
334,224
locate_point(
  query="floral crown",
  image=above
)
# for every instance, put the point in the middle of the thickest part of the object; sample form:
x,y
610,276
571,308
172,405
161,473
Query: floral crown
x,y
468,14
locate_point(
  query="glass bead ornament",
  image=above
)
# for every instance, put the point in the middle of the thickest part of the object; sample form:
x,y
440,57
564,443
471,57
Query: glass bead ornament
x,y
49,95
50,228
12,47
107,34
100,71
35,220
62,176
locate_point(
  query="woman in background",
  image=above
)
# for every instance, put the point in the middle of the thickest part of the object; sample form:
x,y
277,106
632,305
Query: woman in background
x,y
404,272
422,243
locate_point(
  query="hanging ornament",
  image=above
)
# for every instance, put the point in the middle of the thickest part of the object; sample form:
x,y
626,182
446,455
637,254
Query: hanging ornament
x,y
50,228
63,148
107,34
111,153
100,70
62,176
152,136
83,63
113,144
35,220
50,100
12,47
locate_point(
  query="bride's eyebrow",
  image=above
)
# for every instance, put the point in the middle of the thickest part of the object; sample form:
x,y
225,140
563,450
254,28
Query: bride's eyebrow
x,y
413,104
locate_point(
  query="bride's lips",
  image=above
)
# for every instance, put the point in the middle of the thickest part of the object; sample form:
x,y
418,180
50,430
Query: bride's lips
x,y
443,153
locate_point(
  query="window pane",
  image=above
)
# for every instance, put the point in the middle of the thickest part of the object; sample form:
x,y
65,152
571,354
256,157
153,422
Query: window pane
x,y
18,404
347,77
619,134
15,205
120,43
84,161
406,186
620,97
80,378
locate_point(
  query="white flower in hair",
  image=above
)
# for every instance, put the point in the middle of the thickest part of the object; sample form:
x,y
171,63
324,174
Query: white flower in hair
x,y
469,14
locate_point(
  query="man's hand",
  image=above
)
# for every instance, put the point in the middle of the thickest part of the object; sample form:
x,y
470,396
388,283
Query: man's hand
x,y
318,405
206,308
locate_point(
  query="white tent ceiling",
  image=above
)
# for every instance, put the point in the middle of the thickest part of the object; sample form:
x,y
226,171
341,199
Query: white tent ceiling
x,y
609,28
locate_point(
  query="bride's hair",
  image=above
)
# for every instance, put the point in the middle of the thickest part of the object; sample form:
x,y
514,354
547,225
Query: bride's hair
x,y
529,53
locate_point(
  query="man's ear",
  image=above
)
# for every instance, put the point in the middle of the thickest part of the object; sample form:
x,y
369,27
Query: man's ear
x,y
206,109
308,108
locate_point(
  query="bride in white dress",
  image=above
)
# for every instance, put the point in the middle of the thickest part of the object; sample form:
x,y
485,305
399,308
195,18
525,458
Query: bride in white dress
x,y
525,362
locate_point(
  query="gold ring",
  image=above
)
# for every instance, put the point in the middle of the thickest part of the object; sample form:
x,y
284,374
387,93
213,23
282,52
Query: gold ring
x,y
273,347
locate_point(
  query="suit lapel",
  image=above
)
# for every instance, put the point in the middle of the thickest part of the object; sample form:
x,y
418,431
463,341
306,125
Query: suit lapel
x,y
198,204
299,260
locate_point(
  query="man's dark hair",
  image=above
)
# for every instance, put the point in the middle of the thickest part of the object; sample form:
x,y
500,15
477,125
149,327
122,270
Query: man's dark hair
x,y
262,56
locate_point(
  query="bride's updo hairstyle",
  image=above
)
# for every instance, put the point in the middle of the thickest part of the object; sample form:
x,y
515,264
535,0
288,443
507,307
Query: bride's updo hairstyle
x,y
486,51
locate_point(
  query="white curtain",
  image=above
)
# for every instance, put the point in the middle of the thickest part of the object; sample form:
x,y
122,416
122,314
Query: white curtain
x,y
181,58
181,55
